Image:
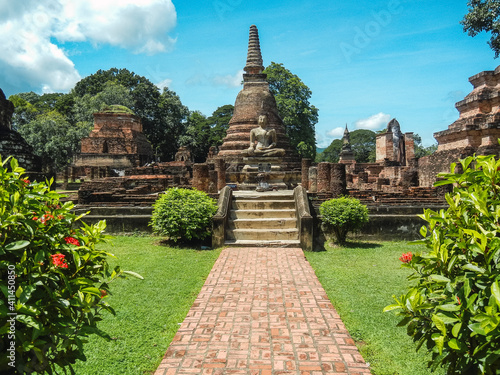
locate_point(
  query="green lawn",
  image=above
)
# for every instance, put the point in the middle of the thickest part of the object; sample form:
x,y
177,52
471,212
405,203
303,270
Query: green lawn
x,y
360,281
149,311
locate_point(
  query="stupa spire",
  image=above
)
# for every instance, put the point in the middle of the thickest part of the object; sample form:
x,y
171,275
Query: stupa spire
x,y
254,57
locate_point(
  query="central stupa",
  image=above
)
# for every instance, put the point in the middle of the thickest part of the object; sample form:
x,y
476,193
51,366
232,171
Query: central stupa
x,y
253,101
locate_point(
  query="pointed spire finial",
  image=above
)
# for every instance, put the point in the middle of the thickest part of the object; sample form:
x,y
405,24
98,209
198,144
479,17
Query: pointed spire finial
x,y
254,57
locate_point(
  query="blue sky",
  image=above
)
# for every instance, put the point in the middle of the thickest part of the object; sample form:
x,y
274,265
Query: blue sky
x,y
365,61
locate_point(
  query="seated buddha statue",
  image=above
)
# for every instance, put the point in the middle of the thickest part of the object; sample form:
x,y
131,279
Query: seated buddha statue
x,y
263,141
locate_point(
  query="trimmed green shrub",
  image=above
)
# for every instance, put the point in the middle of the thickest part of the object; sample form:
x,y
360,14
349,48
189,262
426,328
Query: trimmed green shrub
x,y
53,280
343,215
453,307
183,214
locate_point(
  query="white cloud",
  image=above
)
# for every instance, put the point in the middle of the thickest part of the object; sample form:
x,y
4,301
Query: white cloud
x,y
29,29
336,133
229,80
165,83
374,122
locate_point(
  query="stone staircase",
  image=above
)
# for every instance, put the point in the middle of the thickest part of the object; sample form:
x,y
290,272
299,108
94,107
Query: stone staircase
x,y
262,219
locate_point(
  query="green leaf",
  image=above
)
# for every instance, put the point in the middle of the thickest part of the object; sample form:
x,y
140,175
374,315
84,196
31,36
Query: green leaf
x,y
495,291
449,307
474,268
476,328
439,278
17,245
456,329
92,290
454,344
134,274
439,340
392,307
439,324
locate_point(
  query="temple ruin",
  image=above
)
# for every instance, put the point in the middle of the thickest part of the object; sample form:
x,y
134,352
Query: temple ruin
x,y
476,131
13,144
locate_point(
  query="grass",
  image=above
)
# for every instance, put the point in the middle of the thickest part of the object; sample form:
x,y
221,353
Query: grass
x,y
360,280
149,311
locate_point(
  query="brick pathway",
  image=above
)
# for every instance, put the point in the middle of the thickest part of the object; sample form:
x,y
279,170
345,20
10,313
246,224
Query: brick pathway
x,y
262,311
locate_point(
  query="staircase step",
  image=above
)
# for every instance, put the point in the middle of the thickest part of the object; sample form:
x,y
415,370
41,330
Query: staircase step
x,y
262,204
263,234
269,195
264,223
255,214
259,243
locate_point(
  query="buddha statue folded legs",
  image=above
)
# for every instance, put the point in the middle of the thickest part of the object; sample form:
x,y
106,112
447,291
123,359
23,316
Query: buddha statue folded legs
x,y
263,141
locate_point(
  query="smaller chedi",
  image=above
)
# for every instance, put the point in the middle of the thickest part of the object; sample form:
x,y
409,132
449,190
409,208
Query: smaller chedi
x,y
13,144
115,144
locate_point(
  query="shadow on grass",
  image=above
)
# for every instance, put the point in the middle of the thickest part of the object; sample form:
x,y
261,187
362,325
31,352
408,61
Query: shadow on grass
x,y
347,245
185,244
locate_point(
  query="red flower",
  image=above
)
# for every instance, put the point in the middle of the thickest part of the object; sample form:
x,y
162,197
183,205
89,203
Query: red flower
x,y
72,241
59,261
458,299
103,293
26,181
406,258
46,218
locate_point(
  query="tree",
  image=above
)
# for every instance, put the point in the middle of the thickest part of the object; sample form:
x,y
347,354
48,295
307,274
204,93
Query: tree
x,y
363,143
421,150
165,133
484,15
54,139
112,94
219,123
331,154
197,136
292,98
29,105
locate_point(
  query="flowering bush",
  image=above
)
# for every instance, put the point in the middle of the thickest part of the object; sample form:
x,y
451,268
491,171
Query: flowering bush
x,y
53,279
454,306
343,215
183,214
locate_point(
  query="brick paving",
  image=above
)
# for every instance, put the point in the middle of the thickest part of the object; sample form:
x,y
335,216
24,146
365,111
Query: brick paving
x,y
262,311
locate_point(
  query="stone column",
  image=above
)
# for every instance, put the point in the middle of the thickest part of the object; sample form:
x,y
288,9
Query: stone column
x,y
323,177
65,178
338,180
409,148
313,180
306,164
212,181
200,177
220,167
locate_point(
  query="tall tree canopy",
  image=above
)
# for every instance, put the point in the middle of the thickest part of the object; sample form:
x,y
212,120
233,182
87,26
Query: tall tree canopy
x,y
53,138
362,143
484,15
203,133
299,116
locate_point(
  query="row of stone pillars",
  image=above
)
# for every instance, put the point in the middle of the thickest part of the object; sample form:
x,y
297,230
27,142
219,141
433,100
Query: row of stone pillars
x,y
324,178
207,179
